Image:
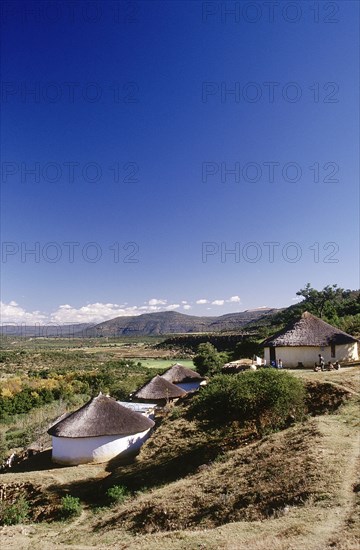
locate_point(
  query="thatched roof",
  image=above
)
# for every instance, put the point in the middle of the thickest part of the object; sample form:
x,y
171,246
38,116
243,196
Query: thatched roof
x,y
159,389
177,373
309,330
100,416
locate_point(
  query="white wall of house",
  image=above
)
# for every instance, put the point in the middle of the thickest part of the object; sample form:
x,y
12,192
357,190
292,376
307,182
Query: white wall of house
x,y
308,355
83,450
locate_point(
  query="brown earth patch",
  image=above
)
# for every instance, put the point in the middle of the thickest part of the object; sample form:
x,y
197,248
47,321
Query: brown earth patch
x,y
255,482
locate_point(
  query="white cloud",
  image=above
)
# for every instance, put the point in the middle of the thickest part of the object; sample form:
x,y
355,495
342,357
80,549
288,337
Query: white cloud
x,y
156,302
98,312
13,313
91,313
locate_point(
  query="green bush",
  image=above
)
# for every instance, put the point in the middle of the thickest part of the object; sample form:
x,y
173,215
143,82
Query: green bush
x,y
117,494
176,413
12,514
246,349
208,360
70,507
267,397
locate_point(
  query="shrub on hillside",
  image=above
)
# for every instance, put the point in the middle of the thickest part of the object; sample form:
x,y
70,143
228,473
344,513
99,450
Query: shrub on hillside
x,y
70,507
12,514
267,397
117,494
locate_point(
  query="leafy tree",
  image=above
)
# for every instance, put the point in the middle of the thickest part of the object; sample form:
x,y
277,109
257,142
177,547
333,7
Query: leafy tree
x,y
350,324
320,300
208,360
246,349
350,304
339,307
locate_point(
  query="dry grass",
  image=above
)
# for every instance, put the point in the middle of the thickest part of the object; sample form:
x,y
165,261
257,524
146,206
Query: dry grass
x,y
294,490
258,481
348,377
176,449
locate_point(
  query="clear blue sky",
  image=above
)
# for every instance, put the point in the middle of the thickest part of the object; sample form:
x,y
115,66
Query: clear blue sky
x,y
136,96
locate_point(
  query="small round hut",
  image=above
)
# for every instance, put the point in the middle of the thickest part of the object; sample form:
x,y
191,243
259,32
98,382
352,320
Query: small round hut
x,y
97,432
184,378
158,391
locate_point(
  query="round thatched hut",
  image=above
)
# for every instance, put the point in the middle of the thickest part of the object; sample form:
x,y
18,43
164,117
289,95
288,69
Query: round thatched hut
x,y
158,391
97,432
184,378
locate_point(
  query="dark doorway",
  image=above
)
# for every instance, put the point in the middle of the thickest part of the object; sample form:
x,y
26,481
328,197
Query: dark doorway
x,y
272,355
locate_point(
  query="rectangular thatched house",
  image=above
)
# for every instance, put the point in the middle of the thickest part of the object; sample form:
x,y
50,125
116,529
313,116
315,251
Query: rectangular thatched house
x,y
304,339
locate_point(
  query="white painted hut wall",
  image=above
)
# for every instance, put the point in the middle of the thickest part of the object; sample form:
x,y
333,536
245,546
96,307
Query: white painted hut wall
x,y
308,355
82,450
189,386
350,352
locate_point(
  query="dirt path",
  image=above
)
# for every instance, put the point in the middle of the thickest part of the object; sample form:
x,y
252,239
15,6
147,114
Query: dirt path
x,y
343,445
346,388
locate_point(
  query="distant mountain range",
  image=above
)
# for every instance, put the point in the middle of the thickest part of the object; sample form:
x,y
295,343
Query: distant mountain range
x,y
156,324
44,331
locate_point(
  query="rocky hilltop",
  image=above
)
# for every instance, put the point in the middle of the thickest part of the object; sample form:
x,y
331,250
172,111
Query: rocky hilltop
x,y
172,322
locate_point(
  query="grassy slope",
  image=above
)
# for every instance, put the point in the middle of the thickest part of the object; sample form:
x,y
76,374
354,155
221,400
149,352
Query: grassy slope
x,y
301,480
239,487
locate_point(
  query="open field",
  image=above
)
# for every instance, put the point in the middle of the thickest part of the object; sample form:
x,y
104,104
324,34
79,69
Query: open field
x,y
9,343
39,354
21,361
297,489
165,363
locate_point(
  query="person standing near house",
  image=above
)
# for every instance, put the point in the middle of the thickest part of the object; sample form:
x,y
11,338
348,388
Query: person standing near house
x,y
321,362
279,364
